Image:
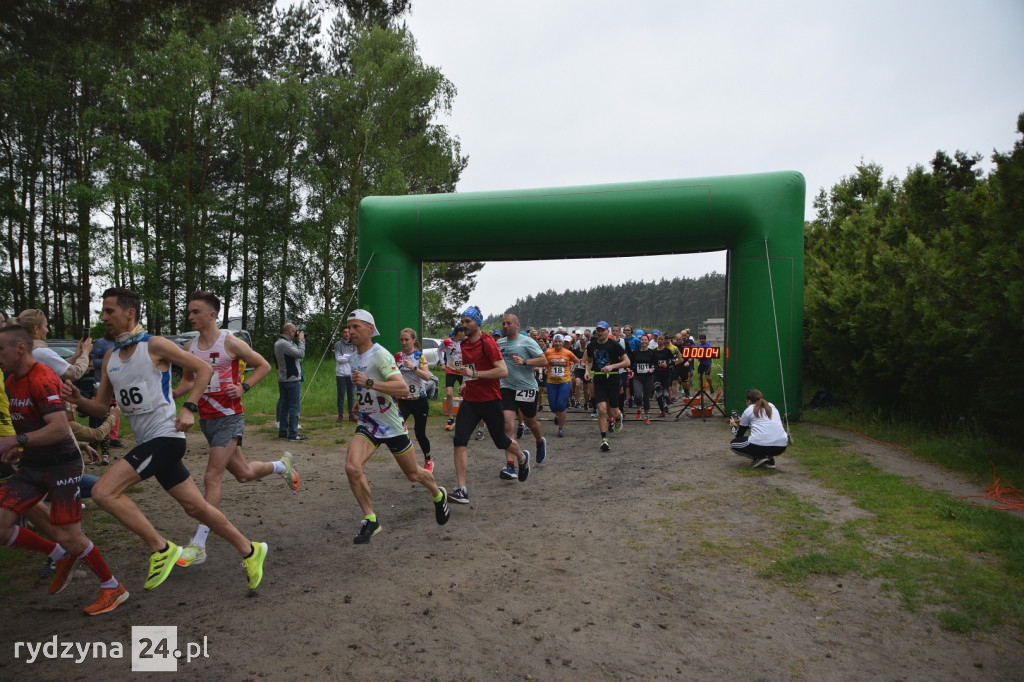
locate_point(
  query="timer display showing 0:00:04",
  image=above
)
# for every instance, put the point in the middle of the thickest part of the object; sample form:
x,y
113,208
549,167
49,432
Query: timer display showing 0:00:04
x,y
700,352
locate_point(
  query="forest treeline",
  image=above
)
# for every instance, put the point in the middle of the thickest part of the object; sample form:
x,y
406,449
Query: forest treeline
x,y
666,305
186,144
914,299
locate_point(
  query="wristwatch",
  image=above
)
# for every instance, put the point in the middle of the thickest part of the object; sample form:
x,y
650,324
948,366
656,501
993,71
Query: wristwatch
x,y
190,406
22,438
245,387
369,383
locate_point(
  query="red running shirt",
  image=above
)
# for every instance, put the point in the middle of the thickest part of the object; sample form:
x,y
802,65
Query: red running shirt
x,y
481,356
32,397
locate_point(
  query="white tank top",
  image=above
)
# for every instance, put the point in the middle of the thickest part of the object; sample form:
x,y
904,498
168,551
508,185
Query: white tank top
x,y
144,394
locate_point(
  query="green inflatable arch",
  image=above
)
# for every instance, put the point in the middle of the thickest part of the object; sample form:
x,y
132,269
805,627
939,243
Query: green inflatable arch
x,y
758,219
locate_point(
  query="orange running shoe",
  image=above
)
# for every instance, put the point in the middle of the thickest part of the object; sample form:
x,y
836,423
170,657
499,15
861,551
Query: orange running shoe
x,y
107,600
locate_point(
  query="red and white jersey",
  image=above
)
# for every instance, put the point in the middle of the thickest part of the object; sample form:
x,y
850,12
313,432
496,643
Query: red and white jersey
x,y
214,401
453,356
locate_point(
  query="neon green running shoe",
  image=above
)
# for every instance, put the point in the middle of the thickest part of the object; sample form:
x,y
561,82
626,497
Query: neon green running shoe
x,y
618,426
254,564
291,476
191,554
160,565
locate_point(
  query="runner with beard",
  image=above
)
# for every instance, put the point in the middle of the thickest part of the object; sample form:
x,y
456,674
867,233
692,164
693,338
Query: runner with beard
x,y
603,359
483,368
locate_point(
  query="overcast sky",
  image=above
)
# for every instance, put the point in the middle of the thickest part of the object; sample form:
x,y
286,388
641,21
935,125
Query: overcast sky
x,y
575,92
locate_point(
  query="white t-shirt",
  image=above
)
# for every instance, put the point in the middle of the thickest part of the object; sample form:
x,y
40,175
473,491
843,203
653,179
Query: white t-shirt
x,y
49,357
764,430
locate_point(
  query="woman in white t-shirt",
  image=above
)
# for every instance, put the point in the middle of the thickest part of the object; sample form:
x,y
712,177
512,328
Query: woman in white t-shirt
x,y
34,321
767,438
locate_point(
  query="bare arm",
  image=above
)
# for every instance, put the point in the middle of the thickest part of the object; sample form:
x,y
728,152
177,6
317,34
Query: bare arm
x,y
395,386
99,405
165,352
188,377
499,371
241,350
53,431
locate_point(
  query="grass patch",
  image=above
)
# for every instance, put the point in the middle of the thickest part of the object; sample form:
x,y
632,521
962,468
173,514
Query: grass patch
x,y
927,547
957,448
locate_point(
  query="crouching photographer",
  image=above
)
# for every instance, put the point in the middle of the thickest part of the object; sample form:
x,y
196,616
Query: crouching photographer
x,y
767,437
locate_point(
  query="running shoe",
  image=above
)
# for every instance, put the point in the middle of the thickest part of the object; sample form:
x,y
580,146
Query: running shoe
x,y
48,569
604,445
340,419
299,437
542,450
519,430
759,461
448,426
770,464
662,413
508,473
479,434
561,432
647,420
366,531
291,476
64,573
160,565
593,415
254,564
524,466
617,428
611,424
107,600
428,464
638,415
459,495
191,554
441,512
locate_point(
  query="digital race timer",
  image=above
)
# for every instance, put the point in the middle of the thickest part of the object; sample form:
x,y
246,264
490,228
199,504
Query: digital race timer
x,y
700,352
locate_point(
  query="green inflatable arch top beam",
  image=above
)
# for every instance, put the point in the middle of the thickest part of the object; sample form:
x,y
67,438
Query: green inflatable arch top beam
x,y
758,219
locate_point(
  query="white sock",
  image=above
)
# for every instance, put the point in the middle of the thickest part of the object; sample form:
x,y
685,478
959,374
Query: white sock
x,y
110,584
58,553
202,533
279,467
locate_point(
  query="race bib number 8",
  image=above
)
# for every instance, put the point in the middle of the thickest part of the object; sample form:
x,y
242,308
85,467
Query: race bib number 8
x,y
414,390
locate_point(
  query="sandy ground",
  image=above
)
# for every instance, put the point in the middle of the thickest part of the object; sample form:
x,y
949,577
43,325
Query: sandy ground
x,y
593,569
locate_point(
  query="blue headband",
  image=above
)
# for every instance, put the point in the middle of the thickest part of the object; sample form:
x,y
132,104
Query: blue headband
x,y
473,313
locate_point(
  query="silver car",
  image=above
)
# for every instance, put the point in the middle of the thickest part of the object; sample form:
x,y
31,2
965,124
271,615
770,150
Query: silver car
x,y
432,351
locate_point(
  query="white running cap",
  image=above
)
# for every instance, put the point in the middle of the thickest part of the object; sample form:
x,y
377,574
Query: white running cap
x,y
364,316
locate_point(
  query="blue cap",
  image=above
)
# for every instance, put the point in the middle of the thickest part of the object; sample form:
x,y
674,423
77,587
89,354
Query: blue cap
x,y
602,325
473,313
656,332
638,333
